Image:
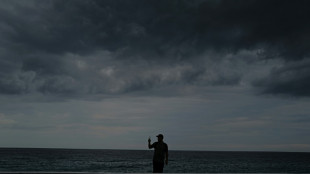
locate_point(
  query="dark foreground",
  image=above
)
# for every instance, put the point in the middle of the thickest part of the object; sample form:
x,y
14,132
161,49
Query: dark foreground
x,y
68,161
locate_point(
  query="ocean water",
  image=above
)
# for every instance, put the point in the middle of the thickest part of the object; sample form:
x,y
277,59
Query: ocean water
x,y
140,161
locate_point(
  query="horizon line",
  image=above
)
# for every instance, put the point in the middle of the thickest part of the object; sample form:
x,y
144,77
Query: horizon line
x,y
198,150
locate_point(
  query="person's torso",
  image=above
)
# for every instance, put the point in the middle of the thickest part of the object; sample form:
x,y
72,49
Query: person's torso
x,y
159,152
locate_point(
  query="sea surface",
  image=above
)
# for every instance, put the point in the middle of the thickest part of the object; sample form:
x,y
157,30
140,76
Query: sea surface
x,y
140,161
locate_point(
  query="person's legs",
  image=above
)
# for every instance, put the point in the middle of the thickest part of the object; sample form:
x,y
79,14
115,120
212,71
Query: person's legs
x,y
158,167
154,167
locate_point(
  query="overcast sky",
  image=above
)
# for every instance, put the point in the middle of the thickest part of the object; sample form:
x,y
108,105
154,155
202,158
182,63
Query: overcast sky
x,y
107,74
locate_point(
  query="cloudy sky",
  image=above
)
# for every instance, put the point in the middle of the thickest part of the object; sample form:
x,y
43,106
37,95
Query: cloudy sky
x,y
208,74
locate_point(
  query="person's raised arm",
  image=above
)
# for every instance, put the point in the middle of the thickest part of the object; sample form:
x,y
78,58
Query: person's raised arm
x,y
150,146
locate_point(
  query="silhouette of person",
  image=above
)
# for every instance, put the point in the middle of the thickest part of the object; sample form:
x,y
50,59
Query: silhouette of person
x,y
160,154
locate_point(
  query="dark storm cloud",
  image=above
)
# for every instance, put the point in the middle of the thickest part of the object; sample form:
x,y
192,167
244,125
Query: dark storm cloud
x,y
81,47
161,27
292,79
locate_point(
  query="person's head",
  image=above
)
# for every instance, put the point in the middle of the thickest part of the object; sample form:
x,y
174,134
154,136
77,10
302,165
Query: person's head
x,y
160,137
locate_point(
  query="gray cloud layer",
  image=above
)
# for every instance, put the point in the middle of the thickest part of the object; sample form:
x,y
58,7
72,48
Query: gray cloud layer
x,y
77,47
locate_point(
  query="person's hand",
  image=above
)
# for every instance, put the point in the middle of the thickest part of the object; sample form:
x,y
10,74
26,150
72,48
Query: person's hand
x,y
149,140
166,161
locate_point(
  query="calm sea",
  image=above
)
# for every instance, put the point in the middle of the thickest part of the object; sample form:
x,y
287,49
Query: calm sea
x,y
140,161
